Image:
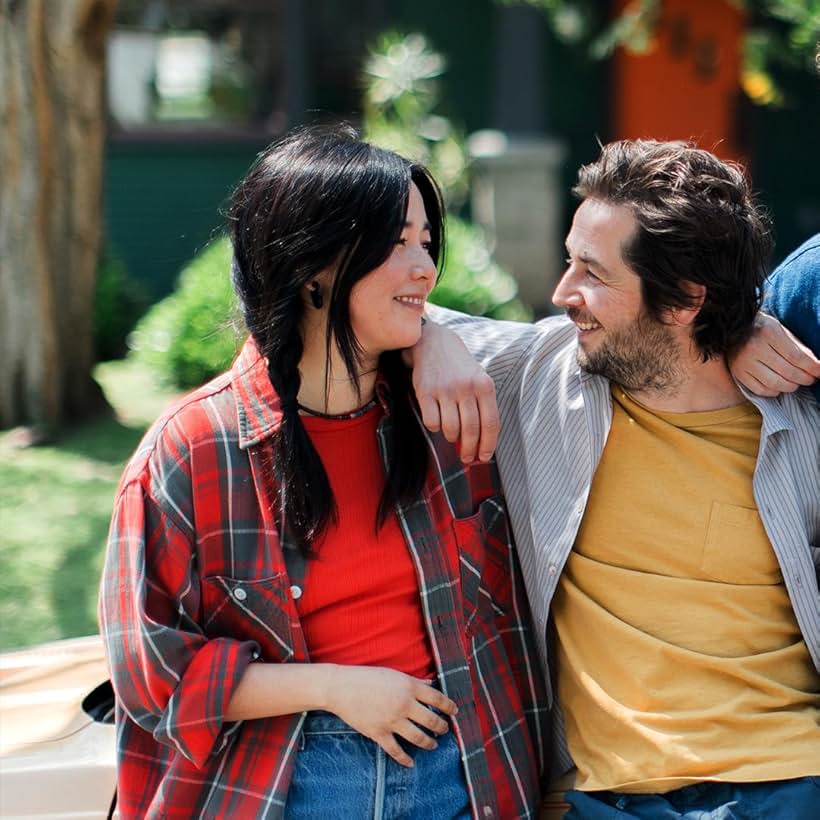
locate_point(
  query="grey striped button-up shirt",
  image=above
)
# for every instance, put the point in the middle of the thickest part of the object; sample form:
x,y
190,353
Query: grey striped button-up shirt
x,y
555,420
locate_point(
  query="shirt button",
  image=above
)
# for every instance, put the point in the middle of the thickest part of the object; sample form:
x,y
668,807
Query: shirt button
x,y
552,569
240,594
488,811
296,592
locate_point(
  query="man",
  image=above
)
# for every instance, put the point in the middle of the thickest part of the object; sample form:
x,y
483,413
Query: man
x,y
664,517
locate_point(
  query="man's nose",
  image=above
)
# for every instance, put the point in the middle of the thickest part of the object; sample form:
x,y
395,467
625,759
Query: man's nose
x,y
566,294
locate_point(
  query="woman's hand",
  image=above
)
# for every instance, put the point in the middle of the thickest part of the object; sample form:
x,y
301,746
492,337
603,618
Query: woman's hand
x,y
382,703
773,361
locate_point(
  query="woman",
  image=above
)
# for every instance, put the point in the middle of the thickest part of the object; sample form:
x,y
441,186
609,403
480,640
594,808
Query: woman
x,y
311,607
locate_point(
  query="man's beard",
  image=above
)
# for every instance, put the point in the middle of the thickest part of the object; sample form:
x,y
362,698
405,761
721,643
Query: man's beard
x,y
640,357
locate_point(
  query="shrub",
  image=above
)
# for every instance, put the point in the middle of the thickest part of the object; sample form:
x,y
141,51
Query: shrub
x,y
194,333
472,282
119,301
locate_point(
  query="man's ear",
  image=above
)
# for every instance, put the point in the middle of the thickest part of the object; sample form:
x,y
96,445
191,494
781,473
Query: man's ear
x,y
683,316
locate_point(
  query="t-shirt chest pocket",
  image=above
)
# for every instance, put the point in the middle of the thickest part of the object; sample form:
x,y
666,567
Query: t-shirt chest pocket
x,y
737,549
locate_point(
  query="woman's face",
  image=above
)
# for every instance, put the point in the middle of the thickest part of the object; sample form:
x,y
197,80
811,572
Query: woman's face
x,y
386,305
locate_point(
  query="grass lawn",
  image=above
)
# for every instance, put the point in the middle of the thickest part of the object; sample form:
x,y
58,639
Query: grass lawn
x,y
55,504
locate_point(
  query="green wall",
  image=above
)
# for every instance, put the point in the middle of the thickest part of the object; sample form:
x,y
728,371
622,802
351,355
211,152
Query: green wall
x,y
163,200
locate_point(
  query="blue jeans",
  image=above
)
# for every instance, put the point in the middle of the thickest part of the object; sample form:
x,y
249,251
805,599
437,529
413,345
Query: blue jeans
x,y
340,773
797,799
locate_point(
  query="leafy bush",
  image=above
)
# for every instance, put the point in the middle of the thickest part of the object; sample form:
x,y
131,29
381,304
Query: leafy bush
x,y
194,333
471,281
401,101
119,301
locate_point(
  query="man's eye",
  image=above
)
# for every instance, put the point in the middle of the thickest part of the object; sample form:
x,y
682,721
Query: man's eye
x,y
591,275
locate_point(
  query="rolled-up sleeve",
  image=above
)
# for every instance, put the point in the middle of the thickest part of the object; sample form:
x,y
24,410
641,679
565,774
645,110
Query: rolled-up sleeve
x,y
170,678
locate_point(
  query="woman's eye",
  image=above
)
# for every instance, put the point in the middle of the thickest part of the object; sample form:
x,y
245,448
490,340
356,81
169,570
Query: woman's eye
x,y
401,241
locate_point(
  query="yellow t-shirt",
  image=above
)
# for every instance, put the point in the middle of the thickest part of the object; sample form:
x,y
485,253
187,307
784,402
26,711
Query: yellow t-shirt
x,y
679,656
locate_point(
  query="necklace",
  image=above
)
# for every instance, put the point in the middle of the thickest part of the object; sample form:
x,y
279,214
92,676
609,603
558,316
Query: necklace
x,y
352,414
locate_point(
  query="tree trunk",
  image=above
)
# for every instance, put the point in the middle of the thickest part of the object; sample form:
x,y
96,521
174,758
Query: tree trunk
x,y
52,64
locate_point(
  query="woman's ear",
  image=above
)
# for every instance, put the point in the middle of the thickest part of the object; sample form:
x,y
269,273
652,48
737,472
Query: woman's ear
x,y
317,290
316,294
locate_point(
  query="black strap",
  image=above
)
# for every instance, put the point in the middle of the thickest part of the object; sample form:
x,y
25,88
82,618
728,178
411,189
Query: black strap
x,y
113,806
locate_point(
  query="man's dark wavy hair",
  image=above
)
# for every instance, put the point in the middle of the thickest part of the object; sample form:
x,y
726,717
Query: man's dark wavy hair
x,y
698,222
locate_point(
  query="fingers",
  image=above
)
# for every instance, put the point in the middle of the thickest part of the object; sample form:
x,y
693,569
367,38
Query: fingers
x,y
754,384
478,416
450,420
391,746
433,697
428,719
430,415
415,722
782,378
795,362
786,354
773,361
488,413
416,735
469,418
470,428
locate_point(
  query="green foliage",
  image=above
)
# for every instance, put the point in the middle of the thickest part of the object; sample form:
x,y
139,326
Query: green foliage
x,y
471,281
119,301
780,34
401,99
192,335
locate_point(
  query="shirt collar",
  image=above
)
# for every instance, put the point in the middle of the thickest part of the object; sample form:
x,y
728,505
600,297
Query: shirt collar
x,y
774,417
770,408
258,408
257,404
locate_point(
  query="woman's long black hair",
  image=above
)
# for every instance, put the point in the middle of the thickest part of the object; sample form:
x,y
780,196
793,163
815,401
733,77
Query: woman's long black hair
x,y
321,198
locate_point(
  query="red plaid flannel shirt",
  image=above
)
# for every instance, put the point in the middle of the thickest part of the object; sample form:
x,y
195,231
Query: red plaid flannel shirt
x,y
195,587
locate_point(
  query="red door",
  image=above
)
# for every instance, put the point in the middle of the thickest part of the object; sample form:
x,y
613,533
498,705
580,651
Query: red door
x,y
688,84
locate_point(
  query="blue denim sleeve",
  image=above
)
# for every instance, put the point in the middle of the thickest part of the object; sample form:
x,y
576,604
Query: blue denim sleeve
x,y
792,294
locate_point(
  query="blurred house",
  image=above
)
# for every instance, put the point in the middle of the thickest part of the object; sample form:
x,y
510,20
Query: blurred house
x,y
198,87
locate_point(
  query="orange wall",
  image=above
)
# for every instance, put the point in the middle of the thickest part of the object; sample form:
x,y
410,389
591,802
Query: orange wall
x,y
688,85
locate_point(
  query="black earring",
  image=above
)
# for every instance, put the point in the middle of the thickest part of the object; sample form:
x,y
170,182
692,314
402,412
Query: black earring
x,y
316,295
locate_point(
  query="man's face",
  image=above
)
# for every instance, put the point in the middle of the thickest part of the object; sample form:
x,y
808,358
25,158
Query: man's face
x,y
602,295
